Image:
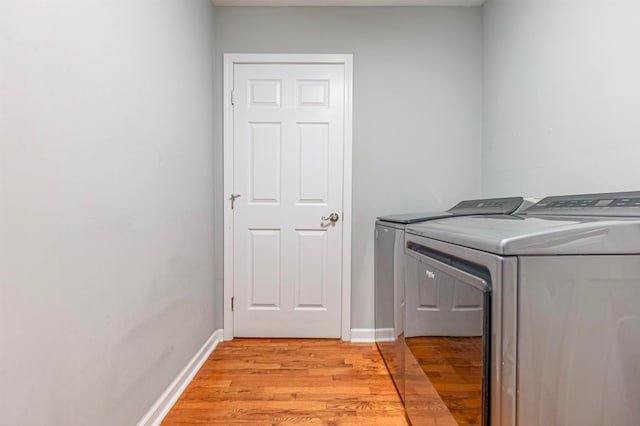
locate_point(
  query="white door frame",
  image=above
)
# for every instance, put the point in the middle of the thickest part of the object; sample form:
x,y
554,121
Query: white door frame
x,y
230,59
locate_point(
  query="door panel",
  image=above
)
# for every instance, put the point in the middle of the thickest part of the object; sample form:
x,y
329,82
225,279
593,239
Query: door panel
x,y
264,267
288,169
311,283
313,155
265,93
264,168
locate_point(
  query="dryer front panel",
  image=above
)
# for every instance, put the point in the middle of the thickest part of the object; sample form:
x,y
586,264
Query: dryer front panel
x,y
461,331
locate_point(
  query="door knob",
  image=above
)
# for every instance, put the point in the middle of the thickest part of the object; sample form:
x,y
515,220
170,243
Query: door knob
x,y
333,217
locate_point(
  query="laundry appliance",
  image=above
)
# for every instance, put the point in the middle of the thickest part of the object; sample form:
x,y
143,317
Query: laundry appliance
x,y
540,310
389,274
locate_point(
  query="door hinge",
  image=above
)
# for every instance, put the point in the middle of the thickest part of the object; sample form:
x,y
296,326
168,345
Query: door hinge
x,y
232,303
233,98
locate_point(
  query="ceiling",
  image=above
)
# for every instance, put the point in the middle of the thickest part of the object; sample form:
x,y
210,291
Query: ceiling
x,y
348,2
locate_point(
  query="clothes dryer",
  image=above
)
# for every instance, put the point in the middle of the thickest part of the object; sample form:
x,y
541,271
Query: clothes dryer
x,y
556,308
389,274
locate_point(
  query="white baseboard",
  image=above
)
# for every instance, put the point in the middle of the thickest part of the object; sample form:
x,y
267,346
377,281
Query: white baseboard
x,y
385,335
161,407
363,335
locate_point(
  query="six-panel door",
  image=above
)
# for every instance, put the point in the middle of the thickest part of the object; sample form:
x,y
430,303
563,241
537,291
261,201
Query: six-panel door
x,y
288,170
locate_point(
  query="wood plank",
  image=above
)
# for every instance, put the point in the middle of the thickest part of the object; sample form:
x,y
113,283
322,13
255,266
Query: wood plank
x,y
290,381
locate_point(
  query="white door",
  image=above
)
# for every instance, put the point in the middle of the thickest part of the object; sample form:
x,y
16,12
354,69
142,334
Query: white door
x,y
288,136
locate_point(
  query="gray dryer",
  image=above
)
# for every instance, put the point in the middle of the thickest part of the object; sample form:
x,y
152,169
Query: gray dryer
x,y
560,319
389,274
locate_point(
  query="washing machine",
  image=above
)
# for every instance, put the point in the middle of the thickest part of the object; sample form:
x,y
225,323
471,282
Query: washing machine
x,y
532,319
389,274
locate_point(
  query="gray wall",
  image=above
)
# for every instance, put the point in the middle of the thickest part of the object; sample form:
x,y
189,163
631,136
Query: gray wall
x,y
562,96
106,205
417,107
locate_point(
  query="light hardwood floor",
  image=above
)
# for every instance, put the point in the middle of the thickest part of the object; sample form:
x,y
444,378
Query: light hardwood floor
x,y
290,381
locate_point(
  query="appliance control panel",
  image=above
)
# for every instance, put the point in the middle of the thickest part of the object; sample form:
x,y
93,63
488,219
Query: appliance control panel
x,y
607,204
487,206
